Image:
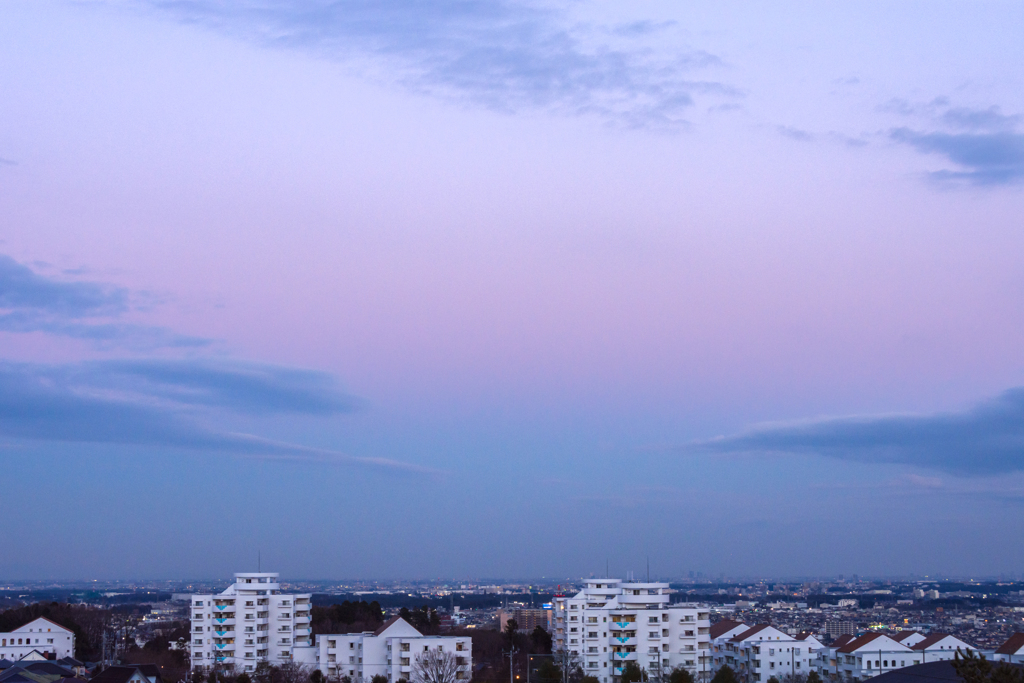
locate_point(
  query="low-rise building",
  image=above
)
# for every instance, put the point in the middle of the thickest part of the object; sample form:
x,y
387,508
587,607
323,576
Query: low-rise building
x,y
939,647
760,652
390,651
866,656
51,640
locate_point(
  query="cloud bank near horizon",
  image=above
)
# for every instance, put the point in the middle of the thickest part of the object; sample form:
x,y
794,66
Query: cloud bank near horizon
x,y
987,439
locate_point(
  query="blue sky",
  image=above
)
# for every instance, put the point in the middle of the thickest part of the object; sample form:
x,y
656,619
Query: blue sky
x,y
414,289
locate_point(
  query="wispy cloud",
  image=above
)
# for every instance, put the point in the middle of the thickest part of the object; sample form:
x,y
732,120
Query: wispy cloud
x,y
503,55
171,404
987,439
983,145
32,302
793,133
983,158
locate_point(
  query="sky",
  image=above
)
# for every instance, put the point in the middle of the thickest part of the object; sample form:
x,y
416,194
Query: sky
x,y
417,289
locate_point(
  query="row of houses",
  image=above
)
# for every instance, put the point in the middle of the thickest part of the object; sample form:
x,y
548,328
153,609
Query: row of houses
x,y
756,653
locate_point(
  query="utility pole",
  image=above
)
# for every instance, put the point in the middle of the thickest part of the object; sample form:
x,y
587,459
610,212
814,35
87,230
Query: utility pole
x,y
511,664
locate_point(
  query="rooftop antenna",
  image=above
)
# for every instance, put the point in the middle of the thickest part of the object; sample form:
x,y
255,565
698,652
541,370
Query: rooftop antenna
x,y
648,569
606,574
259,561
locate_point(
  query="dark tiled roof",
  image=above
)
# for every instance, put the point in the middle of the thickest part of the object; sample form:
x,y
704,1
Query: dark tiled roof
x,y
804,635
842,640
723,627
856,643
1012,645
929,640
929,672
16,675
749,632
46,668
902,635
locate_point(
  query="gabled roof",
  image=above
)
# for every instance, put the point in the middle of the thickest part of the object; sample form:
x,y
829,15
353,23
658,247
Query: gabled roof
x,y
1012,645
930,640
117,674
34,656
749,632
804,635
843,640
53,623
6,663
857,643
391,622
16,675
724,626
45,667
902,635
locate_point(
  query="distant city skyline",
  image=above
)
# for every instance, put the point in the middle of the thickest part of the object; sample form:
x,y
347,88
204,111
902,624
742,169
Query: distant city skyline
x,y
448,288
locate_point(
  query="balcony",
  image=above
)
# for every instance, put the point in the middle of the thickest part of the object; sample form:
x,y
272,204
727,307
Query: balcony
x,y
647,599
224,632
620,625
625,640
624,656
224,621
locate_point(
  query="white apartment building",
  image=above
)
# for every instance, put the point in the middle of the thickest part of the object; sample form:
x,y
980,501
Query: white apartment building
x,y
40,634
251,621
938,647
611,622
859,658
390,651
756,653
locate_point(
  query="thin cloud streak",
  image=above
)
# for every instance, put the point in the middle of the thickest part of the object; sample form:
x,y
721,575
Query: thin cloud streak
x,y
32,302
985,440
502,55
168,404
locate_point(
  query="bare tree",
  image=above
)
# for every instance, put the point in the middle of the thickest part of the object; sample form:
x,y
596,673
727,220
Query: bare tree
x,y
293,672
435,666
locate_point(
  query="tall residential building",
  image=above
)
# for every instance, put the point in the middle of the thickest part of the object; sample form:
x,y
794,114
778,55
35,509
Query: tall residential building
x,y
835,628
611,622
41,635
390,651
250,622
526,619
